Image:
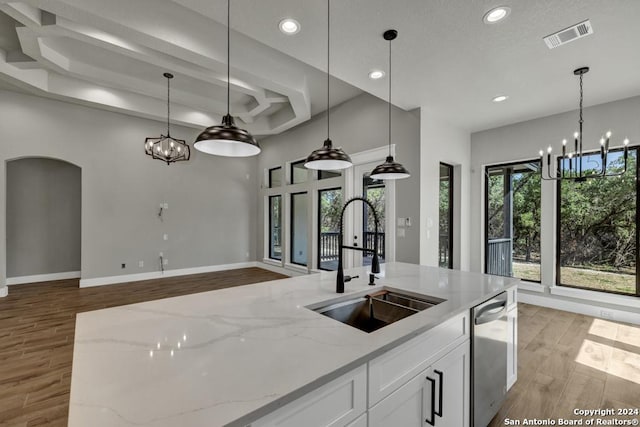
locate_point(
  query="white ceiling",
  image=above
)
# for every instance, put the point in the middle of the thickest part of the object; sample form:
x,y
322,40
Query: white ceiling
x,y
446,60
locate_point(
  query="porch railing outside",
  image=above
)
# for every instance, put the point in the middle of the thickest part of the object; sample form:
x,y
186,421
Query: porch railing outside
x,y
500,257
329,245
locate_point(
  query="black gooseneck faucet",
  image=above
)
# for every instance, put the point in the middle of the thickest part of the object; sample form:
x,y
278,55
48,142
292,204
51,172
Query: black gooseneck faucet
x,y
375,263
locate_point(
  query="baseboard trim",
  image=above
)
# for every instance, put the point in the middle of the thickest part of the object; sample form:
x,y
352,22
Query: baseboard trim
x,y
606,313
43,278
279,269
112,280
4,291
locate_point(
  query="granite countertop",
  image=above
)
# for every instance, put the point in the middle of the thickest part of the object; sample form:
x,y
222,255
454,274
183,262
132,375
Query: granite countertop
x,y
231,356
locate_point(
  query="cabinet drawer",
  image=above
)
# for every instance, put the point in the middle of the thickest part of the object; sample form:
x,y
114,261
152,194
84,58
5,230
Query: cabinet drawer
x,y
394,368
335,404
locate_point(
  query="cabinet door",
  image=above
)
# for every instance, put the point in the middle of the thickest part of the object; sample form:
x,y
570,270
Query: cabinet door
x,y
407,406
512,347
452,376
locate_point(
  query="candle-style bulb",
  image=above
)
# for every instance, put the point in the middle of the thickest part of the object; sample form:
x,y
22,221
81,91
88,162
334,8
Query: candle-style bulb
x,y
608,134
564,142
549,149
626,141
541,152
576,134
570,155
601,141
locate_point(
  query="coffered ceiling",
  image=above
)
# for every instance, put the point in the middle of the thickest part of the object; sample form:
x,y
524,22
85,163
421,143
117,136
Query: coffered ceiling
x,y
111,54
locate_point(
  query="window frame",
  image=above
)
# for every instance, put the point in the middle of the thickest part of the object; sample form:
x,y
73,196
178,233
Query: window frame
x,y
319,227
558,261
292,166
270,255
451,170
486,213
270,182
292,228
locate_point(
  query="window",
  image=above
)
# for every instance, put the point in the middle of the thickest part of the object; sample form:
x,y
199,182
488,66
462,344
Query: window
x,y
512,220
275,230
445,252
329,208
299,228
374,191
328,174
275,177
299,173
597,221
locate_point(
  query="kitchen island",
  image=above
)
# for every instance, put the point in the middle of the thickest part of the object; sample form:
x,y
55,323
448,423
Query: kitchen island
x,y
254,354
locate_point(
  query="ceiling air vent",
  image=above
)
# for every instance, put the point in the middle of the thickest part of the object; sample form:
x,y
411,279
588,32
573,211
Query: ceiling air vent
x,y
569,34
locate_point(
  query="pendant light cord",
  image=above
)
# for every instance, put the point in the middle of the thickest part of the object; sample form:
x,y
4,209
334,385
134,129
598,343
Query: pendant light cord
x,y
328,60
389,97
228,54
168,107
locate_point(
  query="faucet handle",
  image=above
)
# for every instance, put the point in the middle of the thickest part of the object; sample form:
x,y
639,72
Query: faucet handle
x,y
372,278
349,278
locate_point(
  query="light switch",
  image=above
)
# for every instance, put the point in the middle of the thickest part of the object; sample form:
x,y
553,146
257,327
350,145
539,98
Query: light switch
x,y
407,221
400,232
401,222
165,237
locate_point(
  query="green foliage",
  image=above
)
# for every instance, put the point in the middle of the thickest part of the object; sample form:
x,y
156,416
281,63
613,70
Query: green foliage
x,y
330,207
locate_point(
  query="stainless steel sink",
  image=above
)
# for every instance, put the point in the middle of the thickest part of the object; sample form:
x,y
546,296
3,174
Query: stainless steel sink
x,y
374,311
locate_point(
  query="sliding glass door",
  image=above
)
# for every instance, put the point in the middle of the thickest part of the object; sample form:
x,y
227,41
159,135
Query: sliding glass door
x,y
445,223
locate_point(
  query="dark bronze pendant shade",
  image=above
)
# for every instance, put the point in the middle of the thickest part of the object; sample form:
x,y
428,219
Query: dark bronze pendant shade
x,y
227,139
390,169
327,157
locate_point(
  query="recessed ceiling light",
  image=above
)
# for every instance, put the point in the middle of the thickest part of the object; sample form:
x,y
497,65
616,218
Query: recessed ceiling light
x,y
500,98
289,26
496,14
376,74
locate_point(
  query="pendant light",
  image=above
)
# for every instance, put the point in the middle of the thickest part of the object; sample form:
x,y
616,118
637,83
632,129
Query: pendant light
x,y
165,148
390,169
327,157
573,164
227,139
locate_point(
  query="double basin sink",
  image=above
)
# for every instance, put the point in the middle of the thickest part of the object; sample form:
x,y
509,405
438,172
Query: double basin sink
x,y
376,310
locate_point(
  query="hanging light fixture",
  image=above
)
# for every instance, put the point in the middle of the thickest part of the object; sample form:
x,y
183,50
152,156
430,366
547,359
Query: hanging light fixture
x,y
227,139
327,157
390,169
571,164
166,148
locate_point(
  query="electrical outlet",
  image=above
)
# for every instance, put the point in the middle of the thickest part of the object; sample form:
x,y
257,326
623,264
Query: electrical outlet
x,y
401,222
605,314
140,264
247,254
123,265
408,221
165,262
165,237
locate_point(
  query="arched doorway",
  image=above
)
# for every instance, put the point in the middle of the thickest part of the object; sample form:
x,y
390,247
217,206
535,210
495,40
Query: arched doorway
x,y
43,214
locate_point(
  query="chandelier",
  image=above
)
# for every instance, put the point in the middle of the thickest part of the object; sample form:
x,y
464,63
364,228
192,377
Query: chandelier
x,y
166,148
572,164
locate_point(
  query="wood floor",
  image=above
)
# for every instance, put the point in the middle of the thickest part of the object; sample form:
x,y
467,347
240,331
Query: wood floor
x,y
568,361
37,326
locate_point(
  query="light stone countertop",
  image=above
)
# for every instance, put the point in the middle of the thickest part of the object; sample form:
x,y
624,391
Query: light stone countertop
x,y
231,356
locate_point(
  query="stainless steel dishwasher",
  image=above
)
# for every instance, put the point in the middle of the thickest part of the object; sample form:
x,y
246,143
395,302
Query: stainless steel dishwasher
x,y
489,359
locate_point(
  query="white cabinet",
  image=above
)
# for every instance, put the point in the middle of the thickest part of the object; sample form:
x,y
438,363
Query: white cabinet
x,y
360,422
335,404
438,396
512,346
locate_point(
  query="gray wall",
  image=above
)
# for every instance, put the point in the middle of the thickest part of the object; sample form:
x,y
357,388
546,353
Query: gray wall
x,y
357,125
522,141
43,217
212,200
